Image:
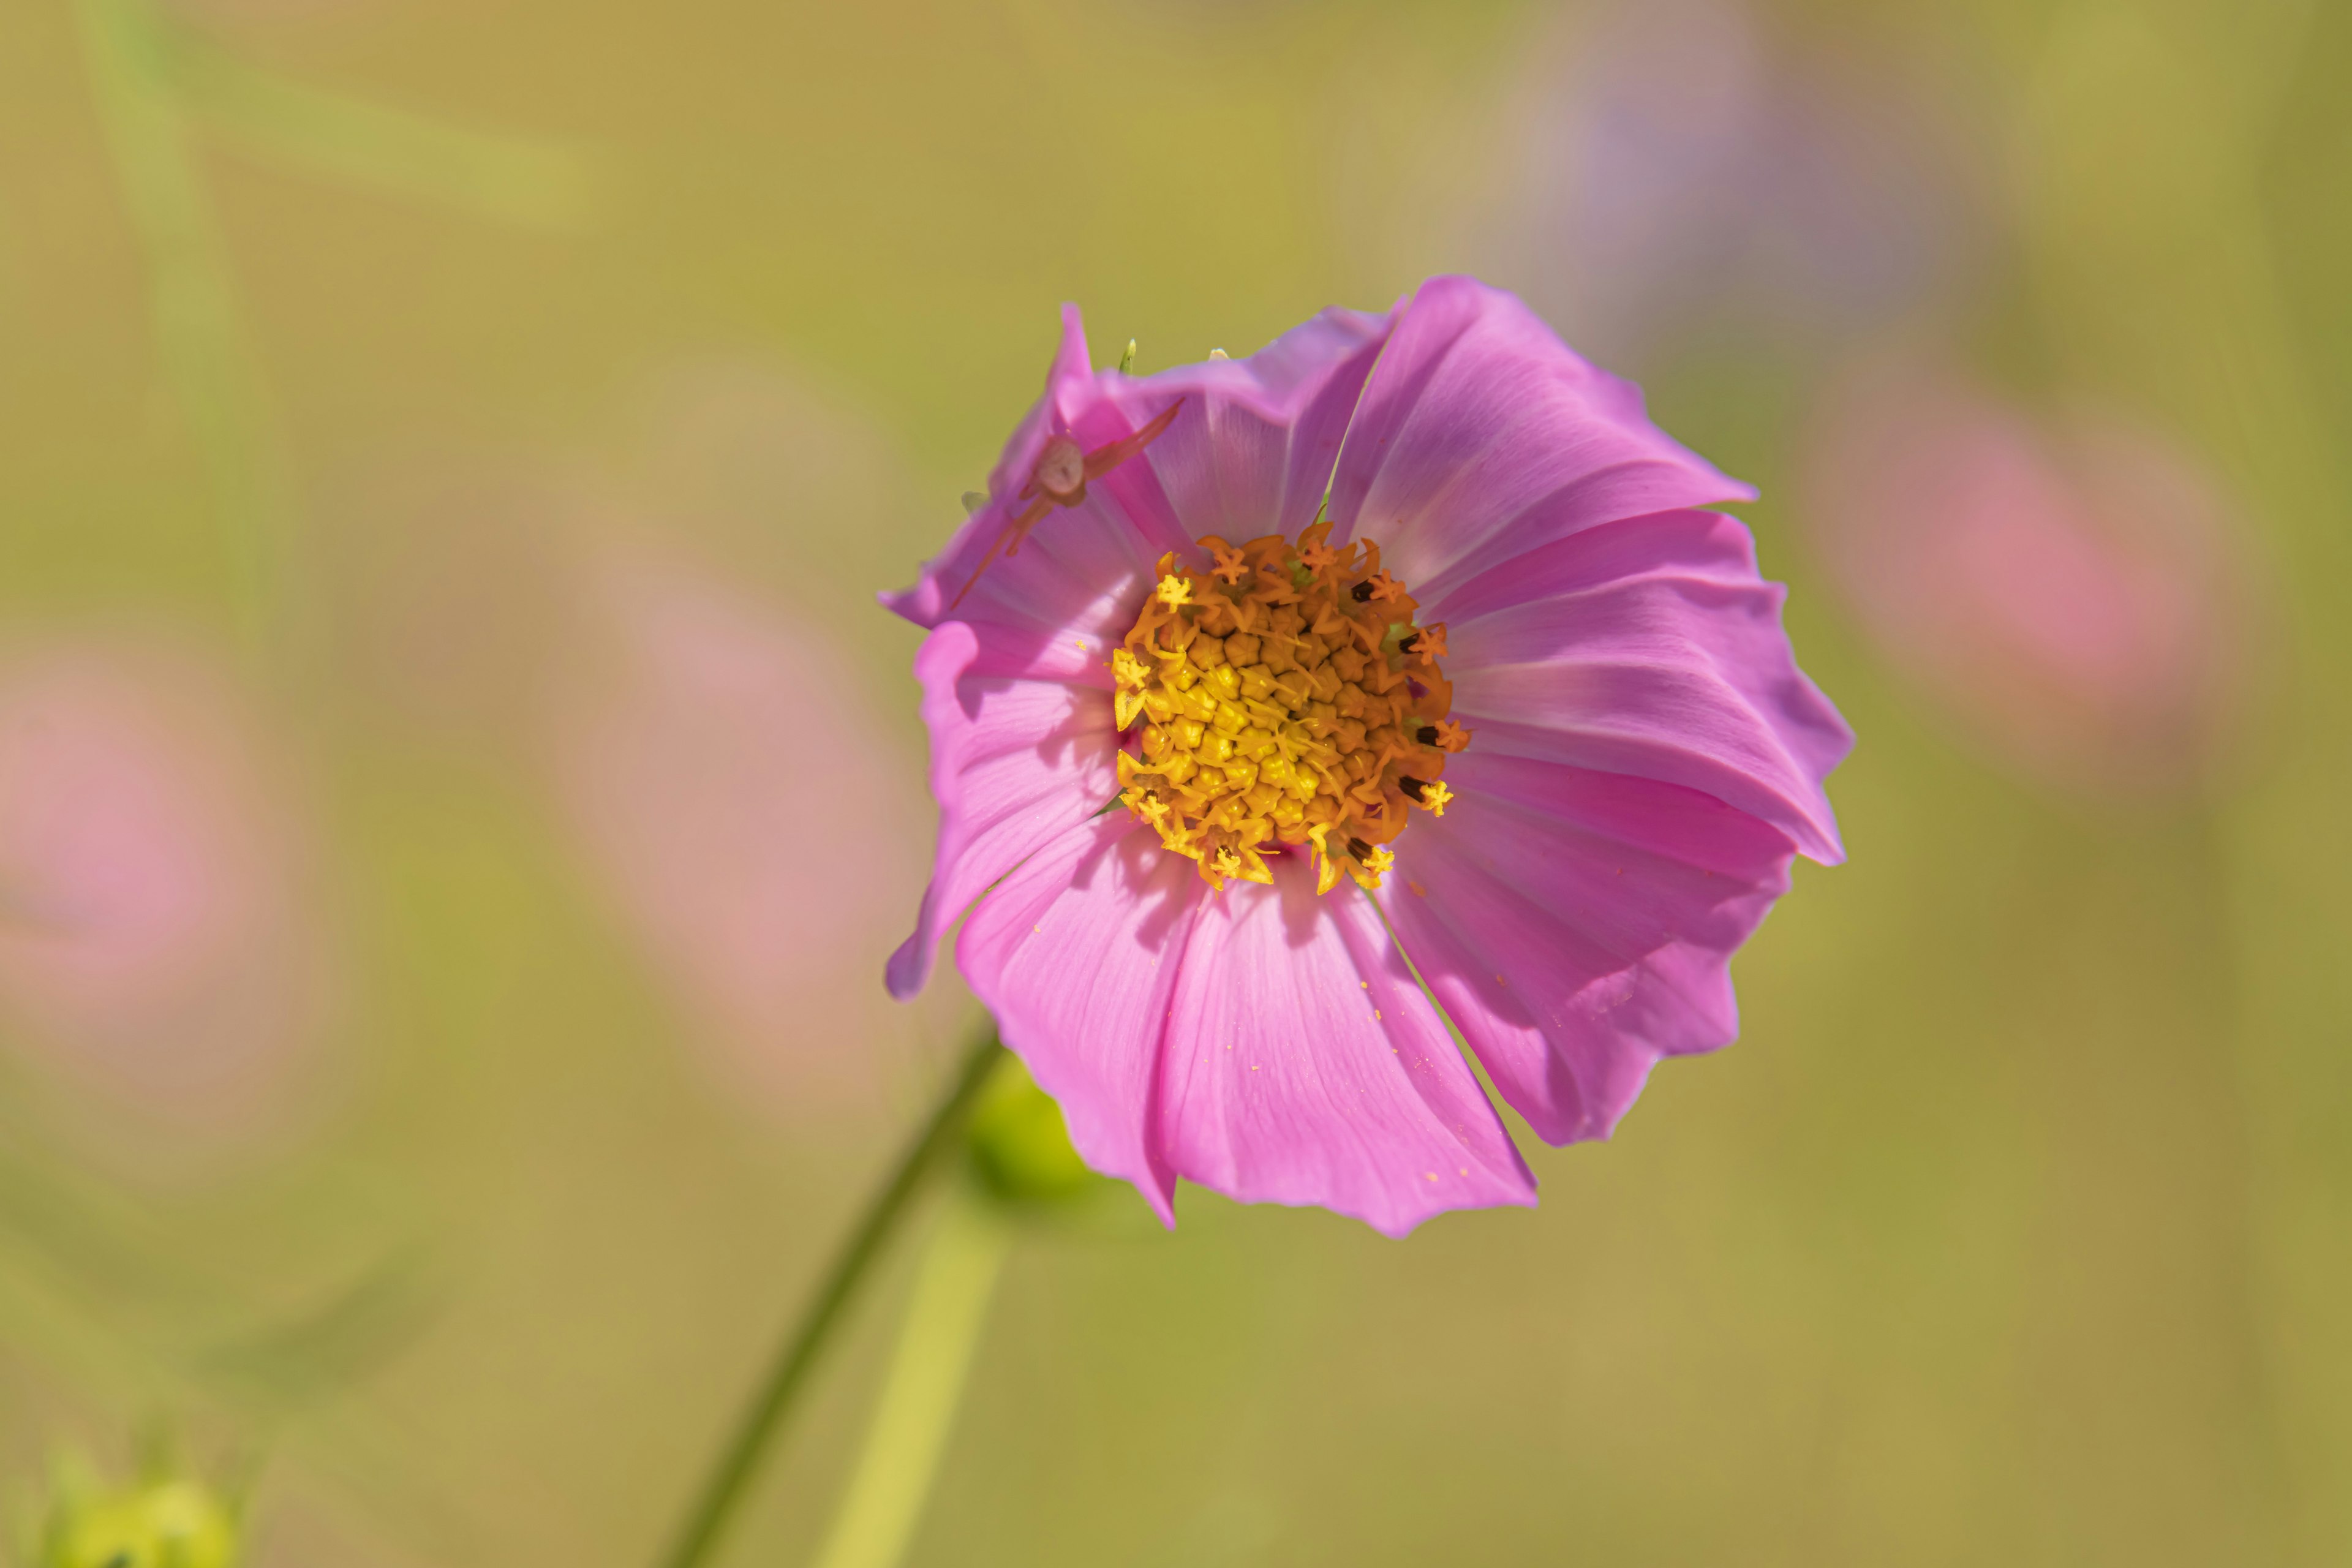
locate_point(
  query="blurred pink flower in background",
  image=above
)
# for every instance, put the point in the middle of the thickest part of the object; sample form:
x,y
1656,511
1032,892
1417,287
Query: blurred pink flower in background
x,y
753,828
155,941
642,641
2071,587
1669,169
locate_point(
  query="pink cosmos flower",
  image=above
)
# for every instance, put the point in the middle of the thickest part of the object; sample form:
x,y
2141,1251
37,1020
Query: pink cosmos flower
x,y
1187,734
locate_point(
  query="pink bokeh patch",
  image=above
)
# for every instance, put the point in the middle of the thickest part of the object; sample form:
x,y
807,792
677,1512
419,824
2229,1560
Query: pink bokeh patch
x,y
2074,588
157,941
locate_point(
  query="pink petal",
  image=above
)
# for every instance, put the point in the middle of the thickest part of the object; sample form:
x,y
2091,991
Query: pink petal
x,y
1074,556
1075,954
1577,926
1082,568
1293,1056
1015,761
1650,647
1303,1065
1481,435
1252,451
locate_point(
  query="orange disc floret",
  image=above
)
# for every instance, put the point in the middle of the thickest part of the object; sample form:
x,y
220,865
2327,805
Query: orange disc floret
x,y
1283,697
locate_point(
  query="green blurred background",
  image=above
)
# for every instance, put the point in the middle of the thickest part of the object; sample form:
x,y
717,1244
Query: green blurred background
x,y
457,792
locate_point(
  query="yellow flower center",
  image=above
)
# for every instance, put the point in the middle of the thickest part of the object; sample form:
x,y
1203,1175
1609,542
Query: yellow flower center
x,y
1284,696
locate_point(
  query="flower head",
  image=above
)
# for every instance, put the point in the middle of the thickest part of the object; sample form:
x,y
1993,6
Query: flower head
x,y
1475,559
1276,710
163,1520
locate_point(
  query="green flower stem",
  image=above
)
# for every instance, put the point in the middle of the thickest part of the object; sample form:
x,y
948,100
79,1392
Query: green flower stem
x,y
918,1404
722,1493
199,333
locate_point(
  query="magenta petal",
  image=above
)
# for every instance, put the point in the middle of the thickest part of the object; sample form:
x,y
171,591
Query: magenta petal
x,y
1252,451
1650,647
1084,566
1481,435
1074,556
1303,1065
1015,761
1578,926
1075,954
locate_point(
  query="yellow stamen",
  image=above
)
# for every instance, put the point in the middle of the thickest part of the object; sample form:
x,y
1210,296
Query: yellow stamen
x,y
1265,705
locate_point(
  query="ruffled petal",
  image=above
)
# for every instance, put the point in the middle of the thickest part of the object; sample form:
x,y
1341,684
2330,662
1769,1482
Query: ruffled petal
x,y
1072,556
1075,954
1253,452
1251,449
1303,1065
1083,568
1651,647
1480,434
1578,926
1020,750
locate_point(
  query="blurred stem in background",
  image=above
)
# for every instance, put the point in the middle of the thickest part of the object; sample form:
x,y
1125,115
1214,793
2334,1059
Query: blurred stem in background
x,y
1020,1169
2141,158
515,179
155,78
917,1407
198,334
722,1493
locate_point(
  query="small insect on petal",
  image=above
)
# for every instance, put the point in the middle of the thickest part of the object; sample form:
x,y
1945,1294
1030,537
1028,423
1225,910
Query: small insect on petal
x,y
1059,479
1103,460
1061,471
